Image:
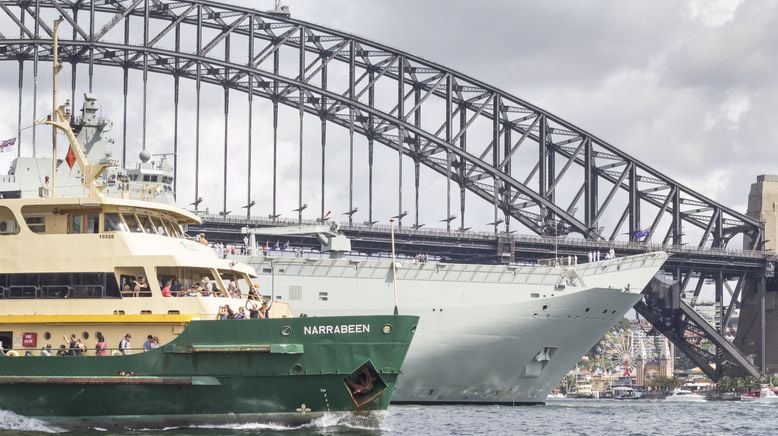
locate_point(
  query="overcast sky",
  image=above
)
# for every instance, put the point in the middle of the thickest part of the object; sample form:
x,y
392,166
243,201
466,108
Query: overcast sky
x,y
688,87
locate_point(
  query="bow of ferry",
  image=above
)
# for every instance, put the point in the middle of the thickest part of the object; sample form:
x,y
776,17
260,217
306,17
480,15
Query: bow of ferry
x,y
287,370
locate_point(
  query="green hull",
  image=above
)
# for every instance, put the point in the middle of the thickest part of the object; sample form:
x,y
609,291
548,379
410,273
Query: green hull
x,y
282,370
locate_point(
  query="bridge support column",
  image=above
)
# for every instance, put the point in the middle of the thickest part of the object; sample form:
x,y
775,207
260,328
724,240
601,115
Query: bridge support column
x,y
758,314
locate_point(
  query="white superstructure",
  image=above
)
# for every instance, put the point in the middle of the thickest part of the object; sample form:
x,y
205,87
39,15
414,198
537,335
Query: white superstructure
x,y
488,333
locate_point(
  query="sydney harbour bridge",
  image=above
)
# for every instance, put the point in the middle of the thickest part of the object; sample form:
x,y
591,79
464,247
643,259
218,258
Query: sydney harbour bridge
x,y
412,139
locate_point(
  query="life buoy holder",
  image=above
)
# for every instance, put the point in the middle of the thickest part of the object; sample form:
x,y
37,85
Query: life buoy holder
x,y
12,353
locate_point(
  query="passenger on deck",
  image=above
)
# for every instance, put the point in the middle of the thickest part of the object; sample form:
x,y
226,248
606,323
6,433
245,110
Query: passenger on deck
x,y
175,285
147,344
241,314
195,291
72,344
202,239
62,351
101,347
251,304
166,290
232,287
264,311
141,285
125,345
80,347
223,312
46,351
154,342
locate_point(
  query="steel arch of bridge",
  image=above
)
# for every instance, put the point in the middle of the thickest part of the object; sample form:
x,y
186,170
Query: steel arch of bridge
x,y
452,148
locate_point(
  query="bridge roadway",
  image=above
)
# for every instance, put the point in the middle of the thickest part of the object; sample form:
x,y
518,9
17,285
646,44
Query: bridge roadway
x,y
489,248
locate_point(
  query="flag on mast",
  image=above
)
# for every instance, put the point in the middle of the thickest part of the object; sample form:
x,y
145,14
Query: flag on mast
x,y
7,145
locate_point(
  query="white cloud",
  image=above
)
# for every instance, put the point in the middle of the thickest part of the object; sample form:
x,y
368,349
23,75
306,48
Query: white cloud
x,y
729,112
713,13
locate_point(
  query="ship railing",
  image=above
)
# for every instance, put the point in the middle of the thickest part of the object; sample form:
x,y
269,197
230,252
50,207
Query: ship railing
x,y
565,241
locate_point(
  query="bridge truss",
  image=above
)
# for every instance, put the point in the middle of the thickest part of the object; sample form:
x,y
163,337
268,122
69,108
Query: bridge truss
x,y
536,171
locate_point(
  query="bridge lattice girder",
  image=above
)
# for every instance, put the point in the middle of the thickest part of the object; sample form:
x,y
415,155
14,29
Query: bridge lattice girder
x,y
482,131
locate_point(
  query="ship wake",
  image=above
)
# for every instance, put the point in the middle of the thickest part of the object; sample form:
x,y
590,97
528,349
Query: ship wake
x,y
10,421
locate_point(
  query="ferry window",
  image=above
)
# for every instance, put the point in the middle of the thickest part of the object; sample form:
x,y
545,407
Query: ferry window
x,y
60,285
146,223
145,177
75,223
36,224
8,225
159,226
242,282
113,223
132,223
92,223
134,283
192,281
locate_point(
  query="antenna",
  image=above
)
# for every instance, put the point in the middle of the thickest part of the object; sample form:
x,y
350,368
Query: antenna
x,y
56,67
394,268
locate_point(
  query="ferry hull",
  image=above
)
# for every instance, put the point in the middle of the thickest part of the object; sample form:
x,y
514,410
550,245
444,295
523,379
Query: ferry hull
x,y
281,370
488,334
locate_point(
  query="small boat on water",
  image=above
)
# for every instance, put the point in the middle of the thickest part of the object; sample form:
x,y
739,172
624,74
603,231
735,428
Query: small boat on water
x,y
685,396
766,394
89,270
625,393
555,396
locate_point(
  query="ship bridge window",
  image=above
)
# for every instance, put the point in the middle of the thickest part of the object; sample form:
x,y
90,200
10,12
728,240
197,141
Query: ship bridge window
x,y
145,221
159,226
8,224
172,229
132,223
83,223
113,223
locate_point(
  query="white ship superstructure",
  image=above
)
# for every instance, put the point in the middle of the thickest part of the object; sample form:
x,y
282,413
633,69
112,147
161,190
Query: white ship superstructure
x,y
488,333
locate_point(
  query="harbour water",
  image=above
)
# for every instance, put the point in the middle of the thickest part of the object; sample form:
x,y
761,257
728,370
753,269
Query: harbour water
x,y
561,417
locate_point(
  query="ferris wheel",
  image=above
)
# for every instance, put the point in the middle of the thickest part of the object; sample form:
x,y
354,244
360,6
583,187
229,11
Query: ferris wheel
x,y
619,352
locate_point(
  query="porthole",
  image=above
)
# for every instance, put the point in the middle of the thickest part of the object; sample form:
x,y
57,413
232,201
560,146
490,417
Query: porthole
x,y
387,329
413,329
297,369
286,330
587,309
47,335
545,306
85,335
